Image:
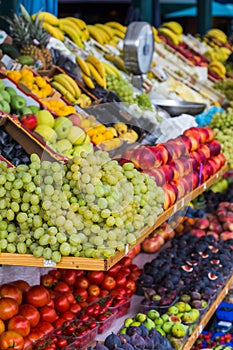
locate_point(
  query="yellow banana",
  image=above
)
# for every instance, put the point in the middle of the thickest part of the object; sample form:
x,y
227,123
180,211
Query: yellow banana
x,y
86,34
116,60
114,41
72,33
217,34
95,74
84,101
95,34
156,36
61,88
64,82
97,64
54,31
110,69
117,26
174,38
70,23
173,26
47,17
73,84
218,68
83,65
106,29
79,22
119,34
88,81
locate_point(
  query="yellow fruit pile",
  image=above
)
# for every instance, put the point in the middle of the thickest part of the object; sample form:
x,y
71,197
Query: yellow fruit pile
x,y
36,84
59,107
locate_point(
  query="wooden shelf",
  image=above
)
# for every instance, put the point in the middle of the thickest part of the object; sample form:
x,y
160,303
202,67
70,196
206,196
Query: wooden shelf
x,y
206,317
105,264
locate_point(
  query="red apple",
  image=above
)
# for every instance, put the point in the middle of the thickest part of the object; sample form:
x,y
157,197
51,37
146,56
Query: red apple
x,y
212,233
215,148
76,119
152,244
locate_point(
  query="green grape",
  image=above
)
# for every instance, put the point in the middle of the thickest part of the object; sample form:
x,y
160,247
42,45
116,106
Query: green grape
x,y
56,256
3,244
38,252
47,253
11,248
65,249
21,248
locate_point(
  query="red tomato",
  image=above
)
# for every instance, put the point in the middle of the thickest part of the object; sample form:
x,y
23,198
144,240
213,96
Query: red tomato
x,y
126,261
37,296
131,285
75,308
134,275
59,322
121,280
35,334
80,294
68,315
51,303
84,317
56,273
45,327
8,308
61,343
11,339
47,280
83,304
108,283
62,303
94,290
11,291
19,324
68,276
95,277
80,273
21,284
124,271
47,314
31,313
103,293
82,282
2,326
70,297
118,291
27,344
113,271
92,298
61,287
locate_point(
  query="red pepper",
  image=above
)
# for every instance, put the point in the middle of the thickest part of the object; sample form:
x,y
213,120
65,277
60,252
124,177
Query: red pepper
x,y
29,121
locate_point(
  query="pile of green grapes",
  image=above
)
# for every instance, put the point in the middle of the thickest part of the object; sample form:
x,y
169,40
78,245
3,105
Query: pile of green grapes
x,y
222,124
126,92
90,207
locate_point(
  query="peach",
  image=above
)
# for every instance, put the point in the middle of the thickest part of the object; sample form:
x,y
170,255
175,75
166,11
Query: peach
x,y
168,172
194,137
205,149
214,147
195,179
185,139
225,235
197,232
228,226
207,172
157,174
160,153
170,195
222,158
146,158
210,133
212,233
202,223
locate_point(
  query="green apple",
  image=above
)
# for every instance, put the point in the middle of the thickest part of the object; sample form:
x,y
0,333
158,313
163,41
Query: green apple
x,y
77,150
149,323
18,102
34,109
128,321
76,135
5,107
44,117
153,314
2,85
140,317
11,91
26,110
6,96
62,126
47,132
63,145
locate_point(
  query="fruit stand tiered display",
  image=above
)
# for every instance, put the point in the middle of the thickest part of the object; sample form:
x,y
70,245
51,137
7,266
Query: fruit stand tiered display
x,y
97,176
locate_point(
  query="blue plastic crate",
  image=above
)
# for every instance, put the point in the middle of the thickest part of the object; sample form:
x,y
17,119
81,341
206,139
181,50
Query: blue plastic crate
x,y
225,315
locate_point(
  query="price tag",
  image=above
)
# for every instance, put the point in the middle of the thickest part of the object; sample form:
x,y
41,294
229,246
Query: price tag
x,y
126,249
48,263
217,175
226,291
200,329
175,208
204,186
182,202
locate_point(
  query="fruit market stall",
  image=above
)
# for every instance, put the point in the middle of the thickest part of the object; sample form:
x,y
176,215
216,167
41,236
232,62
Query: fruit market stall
x,y
89,175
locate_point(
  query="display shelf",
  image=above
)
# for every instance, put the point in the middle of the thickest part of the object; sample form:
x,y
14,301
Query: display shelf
x,y
105,264
206,317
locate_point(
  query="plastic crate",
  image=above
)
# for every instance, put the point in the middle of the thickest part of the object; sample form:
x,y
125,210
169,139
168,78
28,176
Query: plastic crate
x,y
122,309
224,312
106,324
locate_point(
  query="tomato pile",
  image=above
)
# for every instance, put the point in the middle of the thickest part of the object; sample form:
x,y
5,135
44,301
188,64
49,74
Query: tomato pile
x,y
29,313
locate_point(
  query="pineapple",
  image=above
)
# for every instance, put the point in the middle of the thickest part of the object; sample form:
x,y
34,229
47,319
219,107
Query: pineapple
x,y
30,37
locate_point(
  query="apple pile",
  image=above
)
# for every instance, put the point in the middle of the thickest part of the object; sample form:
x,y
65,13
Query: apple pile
x,y
189,264
181,164
157,238
218,224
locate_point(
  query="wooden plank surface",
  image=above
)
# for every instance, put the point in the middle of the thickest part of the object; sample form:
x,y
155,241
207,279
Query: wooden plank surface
x,y
105,264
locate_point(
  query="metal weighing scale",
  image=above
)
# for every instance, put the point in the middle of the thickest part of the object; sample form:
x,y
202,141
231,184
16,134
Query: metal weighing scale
x,y
138,50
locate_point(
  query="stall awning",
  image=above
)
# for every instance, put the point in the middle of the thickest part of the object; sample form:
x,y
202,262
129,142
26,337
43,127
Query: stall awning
x,y
218,10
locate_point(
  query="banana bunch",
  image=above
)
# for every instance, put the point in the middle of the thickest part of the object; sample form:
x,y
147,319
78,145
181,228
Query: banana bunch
x,y
84,101
218,53
92,69
108,33
72,27
67,87
175,38
117,61
175,27
54,31
217,34
218,68
50,23
156,35
111,69
47,17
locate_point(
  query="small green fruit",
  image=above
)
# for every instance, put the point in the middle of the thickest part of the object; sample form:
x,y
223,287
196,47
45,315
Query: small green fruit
x,y
11,91
159,321
149,323
140,317
26,110
173,310
128,322
45,117
167,326
153,314
34,109
5,107
2,85
18,103
6,96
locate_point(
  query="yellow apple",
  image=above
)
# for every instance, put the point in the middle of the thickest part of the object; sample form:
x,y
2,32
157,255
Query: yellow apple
x,y
87,140
63,145
45,117
77,150
76,135
47,133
